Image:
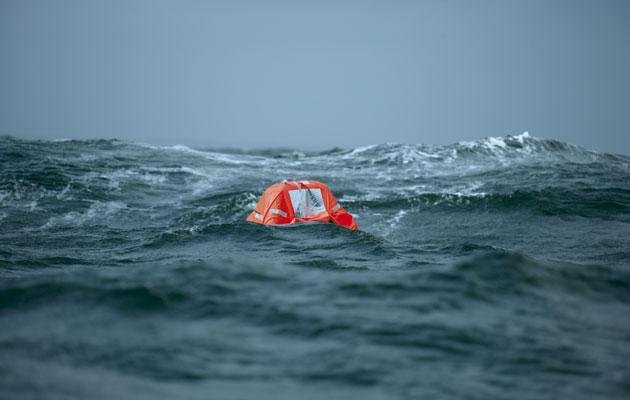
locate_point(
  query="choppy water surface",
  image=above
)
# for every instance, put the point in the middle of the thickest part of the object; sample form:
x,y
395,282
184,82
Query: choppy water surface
x,y
491,269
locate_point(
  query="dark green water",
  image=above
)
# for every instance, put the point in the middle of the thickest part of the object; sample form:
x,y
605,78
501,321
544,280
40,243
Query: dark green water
x,y
493,269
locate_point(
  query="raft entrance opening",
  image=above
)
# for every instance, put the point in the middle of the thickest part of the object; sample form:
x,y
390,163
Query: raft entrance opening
x,y
307,202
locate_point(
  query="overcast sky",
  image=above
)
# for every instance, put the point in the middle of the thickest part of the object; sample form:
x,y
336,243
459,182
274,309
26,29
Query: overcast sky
x,y
316,74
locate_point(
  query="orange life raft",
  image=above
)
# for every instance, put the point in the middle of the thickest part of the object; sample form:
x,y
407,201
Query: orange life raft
x,y
291,202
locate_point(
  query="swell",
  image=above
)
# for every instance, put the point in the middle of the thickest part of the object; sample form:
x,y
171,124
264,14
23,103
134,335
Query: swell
x,y
606,203
490,277
134,259
130,299
501,151
504,149
495,275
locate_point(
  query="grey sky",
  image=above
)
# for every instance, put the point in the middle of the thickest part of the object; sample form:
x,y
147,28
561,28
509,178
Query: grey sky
x,y
316,74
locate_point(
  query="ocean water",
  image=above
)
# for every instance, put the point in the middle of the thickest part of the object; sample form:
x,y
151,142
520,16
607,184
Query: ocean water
x,y
494,269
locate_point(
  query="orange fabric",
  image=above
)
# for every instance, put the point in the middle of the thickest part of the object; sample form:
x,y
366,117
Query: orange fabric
x,y
276,207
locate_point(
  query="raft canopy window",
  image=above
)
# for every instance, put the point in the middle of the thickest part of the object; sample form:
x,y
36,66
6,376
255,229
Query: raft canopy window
x,y
307,202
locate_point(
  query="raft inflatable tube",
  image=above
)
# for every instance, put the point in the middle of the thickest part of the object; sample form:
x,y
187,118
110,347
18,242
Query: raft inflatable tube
x,y
292,202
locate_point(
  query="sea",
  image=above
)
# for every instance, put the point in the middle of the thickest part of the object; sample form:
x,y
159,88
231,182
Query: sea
x,y
491,269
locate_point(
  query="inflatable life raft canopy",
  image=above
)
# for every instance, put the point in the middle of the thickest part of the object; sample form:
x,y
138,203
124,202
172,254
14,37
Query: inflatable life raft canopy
x,y
291,202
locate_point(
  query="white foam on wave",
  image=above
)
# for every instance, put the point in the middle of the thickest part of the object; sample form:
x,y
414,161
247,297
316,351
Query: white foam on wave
x,y
372,195
395,221
454,192
470,189
184,169
250,202
206,154
4,195
418,159
33,205
209,155
196,181
28,196
197,172
97,210
406,155
185,231
201,187
392,223
63,194
502,142
493,151
359,150
493,142
87,157
522,136
116,178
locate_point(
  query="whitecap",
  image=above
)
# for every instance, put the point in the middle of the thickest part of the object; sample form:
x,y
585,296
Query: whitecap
x,y
359,150
395,221
97,210
63,194
200,187
87,157
493,142
521,138
210,155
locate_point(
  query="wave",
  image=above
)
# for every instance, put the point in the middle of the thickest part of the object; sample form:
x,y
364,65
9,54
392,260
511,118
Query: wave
x,y
523,145
99,211
198,290
588,202
501,151
498,275
508,255
72,182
